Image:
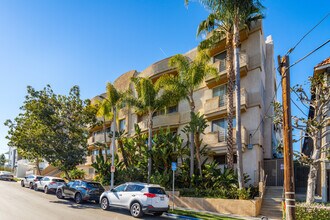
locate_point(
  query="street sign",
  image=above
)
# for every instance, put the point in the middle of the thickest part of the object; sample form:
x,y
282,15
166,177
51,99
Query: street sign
x,y
112,169
174,166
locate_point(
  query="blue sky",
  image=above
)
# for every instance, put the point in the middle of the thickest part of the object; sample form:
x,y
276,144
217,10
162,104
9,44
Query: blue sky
x,y
90,42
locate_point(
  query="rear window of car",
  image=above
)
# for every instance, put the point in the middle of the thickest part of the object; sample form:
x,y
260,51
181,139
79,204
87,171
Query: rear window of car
x,y
157,190
94,185
58,180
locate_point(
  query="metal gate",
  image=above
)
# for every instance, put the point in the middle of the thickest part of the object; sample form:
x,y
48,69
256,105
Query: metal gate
x,y
274,169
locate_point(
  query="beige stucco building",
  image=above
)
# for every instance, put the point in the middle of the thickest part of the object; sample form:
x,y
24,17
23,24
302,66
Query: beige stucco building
x,y
258,84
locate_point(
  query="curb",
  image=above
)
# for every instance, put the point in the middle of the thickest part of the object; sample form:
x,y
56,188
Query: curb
x,y
180,216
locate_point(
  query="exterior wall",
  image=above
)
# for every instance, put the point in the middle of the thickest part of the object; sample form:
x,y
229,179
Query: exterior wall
x,y
257,82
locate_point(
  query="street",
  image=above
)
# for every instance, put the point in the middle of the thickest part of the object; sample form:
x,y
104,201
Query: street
x,y
18,203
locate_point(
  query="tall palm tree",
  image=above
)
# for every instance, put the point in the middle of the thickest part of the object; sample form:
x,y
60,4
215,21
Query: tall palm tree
x,y
244,12
190,76
225,19
109,107
149,100
219,25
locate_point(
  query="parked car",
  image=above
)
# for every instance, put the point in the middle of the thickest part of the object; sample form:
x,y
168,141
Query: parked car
x,y
30,180
5,175
139,198
48,184
80,191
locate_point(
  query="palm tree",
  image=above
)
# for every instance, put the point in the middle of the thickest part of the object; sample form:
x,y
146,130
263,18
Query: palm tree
x,y
225,19
219,25
244,12
109,107
149,100
190,76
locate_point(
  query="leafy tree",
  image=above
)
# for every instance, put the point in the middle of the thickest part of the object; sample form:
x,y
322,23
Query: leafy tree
x,y
190,76
53,127
2,160
149,100
314,126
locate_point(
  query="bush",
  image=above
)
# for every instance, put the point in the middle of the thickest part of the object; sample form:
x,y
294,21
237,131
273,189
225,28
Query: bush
x,y
75,174
311,212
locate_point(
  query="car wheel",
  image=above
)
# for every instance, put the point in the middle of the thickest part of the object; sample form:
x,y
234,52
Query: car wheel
x,y
59,194
105,203
136,210
78,198
46,190
158,213
31,186
22,184
35,187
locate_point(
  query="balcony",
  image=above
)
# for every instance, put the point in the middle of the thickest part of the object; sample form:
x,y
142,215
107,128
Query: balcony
x,y
89,160
212,81
98,138
217,106
217,141
171,119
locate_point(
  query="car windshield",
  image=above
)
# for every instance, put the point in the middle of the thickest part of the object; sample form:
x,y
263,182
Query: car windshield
x,y
58,181
156,190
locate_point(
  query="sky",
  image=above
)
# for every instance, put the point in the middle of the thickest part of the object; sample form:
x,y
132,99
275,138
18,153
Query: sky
x,y
90,42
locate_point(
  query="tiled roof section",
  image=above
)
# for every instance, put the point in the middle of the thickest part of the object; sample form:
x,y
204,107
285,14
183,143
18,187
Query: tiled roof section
x,y
122,82
323,63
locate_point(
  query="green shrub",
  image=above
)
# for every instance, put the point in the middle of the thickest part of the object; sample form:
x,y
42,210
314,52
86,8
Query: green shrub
x,y
75,174
311,212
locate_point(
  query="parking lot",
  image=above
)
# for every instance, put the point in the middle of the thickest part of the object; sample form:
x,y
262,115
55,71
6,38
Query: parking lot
x,y
19,203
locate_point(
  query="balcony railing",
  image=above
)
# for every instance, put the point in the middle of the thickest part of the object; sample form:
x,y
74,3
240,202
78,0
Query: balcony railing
x,y
161,121
218,105
218,139
98,138
220,65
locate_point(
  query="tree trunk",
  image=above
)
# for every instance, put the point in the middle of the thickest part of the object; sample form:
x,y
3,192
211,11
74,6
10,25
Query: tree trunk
x,y
192,141
311,183
230,99
105,137
37,165
113,146
150,124
312,175
238,107
67,175
198,156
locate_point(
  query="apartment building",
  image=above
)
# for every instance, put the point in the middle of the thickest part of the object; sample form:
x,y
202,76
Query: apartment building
x,y
258,84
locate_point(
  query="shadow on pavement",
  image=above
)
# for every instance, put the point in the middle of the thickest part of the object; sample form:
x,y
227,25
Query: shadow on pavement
x,y
91,205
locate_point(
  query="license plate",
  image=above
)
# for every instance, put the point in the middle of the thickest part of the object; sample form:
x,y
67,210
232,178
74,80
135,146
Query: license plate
x,y
162,198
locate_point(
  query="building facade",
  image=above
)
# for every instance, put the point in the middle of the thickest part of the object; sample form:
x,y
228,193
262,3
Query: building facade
x,y
258,85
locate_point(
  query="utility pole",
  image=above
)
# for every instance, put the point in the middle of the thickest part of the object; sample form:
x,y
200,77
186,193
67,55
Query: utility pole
x,y
287,140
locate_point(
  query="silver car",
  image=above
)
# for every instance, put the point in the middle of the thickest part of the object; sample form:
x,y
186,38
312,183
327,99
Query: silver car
x,y
139,198
5,175
48,184
30,180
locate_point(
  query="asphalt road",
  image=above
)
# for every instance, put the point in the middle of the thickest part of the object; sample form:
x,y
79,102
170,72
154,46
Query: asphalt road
x,y
17,203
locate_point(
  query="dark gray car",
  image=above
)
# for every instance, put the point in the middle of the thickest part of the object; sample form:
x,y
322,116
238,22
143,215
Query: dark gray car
x,y
80,190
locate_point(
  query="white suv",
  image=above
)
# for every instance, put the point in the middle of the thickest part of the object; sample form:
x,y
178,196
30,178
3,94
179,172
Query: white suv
x,y
48,183
139,198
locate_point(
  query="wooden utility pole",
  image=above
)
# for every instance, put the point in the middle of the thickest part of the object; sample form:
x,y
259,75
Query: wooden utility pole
x,y
287,140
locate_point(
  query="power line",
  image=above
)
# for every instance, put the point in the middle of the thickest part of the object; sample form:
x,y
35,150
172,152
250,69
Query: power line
x,y
310,53
298,107
294,47
299,97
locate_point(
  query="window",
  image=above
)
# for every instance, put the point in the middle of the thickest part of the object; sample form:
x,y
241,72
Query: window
x,y
133,188
172,109
70,184
156,190
122,124
120,188
221,126
222,159
58,180
95,152
45,179
222,58
220,91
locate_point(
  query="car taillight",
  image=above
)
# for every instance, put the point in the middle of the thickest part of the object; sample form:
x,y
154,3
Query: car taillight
x,y
35,180
150,195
